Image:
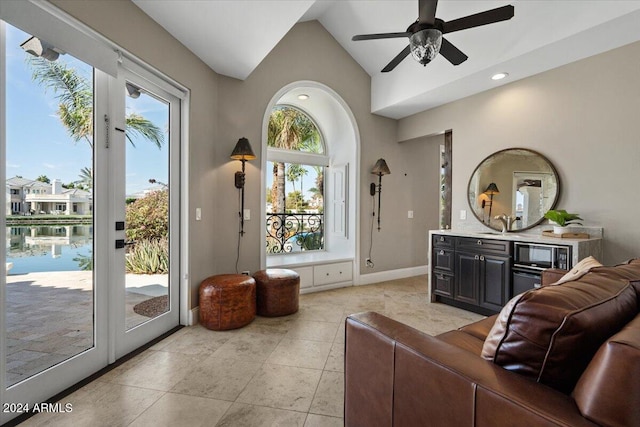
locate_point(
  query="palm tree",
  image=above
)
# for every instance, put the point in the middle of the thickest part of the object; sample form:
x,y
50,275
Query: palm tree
x,y
289,129
295,172
75,109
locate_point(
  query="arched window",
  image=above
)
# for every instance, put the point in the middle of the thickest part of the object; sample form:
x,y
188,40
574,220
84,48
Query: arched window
x,y
296,158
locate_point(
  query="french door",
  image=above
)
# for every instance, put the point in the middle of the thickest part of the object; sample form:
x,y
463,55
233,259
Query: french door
x,y
144,175
90,269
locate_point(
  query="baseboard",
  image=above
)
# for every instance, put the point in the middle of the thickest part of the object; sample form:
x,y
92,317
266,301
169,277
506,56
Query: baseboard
x,y
194,315
383,276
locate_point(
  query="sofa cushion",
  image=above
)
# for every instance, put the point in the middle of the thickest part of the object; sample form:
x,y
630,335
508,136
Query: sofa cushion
x,y
614,369
550,334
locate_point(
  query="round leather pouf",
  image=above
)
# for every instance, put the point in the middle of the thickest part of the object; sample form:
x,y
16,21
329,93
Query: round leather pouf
x,y
277,292
227,301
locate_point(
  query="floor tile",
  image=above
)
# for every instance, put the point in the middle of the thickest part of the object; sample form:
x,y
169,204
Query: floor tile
x,y
301,353
329,397
160,370
312,330
218,378
315,420
259,416
283,387
100,404
180,410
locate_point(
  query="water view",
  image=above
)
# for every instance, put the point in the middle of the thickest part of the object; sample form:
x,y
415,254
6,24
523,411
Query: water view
x,y
33,249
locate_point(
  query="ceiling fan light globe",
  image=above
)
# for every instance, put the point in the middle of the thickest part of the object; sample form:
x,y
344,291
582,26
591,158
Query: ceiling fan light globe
x,y
425,45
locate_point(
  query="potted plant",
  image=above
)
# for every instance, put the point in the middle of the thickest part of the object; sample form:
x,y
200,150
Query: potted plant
x,y
562,219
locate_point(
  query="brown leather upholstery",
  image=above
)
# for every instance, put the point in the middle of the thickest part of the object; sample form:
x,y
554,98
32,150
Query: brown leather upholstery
x,y
398,376
277,292
614,370
553,332
551,275
227,301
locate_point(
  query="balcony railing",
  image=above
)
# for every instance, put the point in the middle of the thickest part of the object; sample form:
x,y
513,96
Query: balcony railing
x,y
294,232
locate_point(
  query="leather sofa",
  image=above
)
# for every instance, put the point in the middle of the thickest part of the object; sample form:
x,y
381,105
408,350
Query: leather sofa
x,y
589,374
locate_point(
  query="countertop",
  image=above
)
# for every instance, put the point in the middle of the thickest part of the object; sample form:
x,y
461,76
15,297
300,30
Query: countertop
x,y
515,236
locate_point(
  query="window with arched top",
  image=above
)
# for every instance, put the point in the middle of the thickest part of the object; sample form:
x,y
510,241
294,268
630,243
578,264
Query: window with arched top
x,y
296,158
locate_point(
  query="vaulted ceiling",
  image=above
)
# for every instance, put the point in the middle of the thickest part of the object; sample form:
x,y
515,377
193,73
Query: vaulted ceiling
x,y
234,36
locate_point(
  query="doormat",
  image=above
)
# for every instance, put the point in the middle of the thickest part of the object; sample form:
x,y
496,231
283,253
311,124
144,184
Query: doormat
x,y
152,307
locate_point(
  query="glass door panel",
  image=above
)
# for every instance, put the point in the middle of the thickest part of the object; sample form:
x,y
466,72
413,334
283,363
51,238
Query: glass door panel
x,y
146,181
147,206
49,293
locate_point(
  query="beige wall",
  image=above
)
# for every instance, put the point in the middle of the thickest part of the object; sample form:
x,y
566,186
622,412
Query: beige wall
x,y
583,117
307,52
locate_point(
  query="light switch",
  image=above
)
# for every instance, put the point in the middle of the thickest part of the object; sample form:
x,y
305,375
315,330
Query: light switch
x,y
410,214
198,214
247,214
463,214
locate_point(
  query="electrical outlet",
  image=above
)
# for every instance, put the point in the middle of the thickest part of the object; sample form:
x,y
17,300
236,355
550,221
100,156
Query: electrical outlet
x,y
247,214
369,262
410,214
463,214
198,214
246,273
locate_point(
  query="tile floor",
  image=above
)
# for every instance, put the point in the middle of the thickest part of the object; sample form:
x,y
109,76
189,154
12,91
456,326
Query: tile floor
x,y
285,371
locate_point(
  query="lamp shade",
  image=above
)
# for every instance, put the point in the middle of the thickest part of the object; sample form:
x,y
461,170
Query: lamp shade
x,y
243,150
380,168
425,45
492,189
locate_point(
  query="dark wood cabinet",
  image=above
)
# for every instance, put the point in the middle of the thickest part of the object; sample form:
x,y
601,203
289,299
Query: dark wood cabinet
x,y
474,274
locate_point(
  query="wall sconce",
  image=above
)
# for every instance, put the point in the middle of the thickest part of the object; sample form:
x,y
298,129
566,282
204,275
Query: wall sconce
x,y
490,191
380,168
242,152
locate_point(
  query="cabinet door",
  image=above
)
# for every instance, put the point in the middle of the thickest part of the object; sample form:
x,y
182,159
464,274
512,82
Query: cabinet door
x,y
467,277
442,283
495,280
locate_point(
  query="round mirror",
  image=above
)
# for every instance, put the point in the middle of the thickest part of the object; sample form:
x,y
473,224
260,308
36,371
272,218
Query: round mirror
x,y
516,182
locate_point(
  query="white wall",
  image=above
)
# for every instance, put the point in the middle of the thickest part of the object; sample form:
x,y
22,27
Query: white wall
x,y
584,117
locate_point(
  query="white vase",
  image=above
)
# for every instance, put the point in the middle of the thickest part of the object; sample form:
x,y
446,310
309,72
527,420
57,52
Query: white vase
x,y
561,230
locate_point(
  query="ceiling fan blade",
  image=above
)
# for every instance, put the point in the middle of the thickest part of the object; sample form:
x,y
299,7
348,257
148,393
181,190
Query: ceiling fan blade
x,y
452,53
379,36
427,11
398,59
483,18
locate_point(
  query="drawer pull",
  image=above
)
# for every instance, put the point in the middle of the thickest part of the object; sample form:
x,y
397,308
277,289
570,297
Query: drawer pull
x,y
479,242
327,274
537,285
477,257
481,257
442,238
441,252
441,276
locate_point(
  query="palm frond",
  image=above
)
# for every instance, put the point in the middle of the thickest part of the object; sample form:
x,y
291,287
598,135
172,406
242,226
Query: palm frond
x,y
139,126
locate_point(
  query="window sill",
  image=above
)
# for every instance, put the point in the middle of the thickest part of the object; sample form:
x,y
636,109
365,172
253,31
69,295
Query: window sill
x,y
308,258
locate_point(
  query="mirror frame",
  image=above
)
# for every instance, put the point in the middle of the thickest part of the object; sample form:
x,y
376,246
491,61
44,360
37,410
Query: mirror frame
x,y
489,157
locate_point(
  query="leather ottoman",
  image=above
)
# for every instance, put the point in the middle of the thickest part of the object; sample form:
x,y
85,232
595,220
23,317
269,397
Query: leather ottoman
x,y
277,292
227,301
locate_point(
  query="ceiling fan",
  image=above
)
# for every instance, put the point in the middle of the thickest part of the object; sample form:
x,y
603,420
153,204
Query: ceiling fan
x,y
425,35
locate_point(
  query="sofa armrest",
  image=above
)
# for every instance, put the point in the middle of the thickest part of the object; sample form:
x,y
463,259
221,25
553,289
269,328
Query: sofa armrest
x,y
396,375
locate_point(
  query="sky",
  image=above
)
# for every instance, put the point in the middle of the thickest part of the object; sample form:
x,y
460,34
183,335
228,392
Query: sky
x,y
38,143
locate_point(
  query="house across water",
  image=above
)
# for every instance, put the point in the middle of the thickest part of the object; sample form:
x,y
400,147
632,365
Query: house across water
x,y
31,197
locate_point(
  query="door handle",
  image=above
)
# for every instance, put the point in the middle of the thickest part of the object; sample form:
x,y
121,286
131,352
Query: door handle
x,y
120,243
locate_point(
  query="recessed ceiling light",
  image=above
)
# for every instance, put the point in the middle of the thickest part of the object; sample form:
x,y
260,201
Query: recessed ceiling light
x,y
303,96
499,76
